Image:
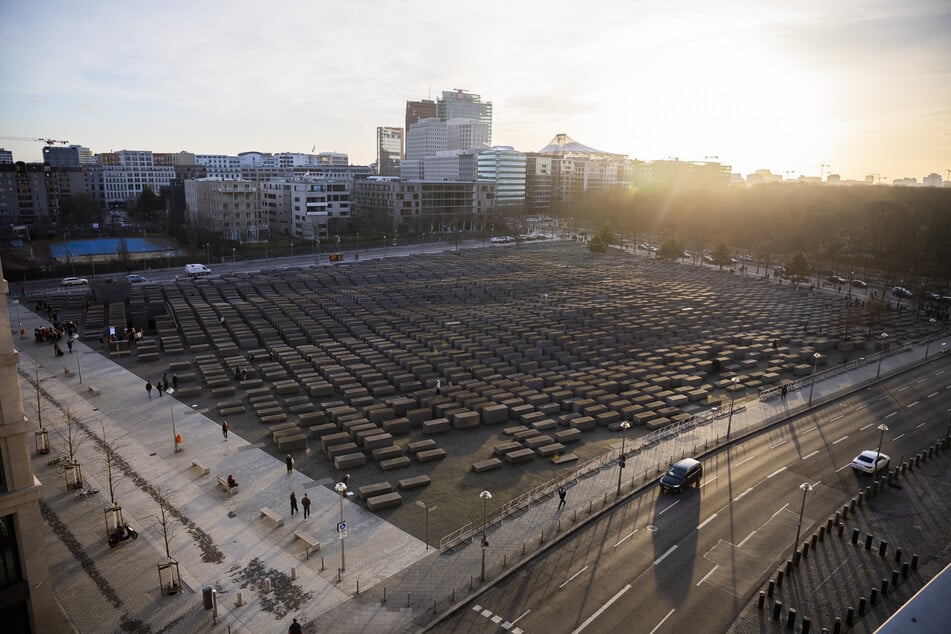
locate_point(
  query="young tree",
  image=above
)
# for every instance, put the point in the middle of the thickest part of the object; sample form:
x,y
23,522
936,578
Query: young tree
x,y
71,435
798,266
671,249
721,255
123,257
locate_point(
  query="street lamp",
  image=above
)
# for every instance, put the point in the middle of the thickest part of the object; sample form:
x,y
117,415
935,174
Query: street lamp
x,y
729,425
884,339
931,321
171,411
341,488
878,452
292,249
207,255
428,509
16,303
486,496
806,487
815,361
234,255
621,461
79,356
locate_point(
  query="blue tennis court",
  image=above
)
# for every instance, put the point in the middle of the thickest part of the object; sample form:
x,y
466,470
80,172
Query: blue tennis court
x,y
108,246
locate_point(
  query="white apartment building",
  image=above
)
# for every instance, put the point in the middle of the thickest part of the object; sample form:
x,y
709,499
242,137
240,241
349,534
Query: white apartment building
x,y
220,166
123,174
228,208
307,208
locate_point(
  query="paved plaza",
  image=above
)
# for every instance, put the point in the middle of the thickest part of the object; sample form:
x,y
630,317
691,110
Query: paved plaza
x,y
544,348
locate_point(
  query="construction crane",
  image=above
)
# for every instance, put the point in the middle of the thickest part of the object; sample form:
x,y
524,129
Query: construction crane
x,y
822,170
29,138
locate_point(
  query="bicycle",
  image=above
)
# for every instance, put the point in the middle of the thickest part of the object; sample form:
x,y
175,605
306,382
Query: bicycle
x,y
82,493
59,461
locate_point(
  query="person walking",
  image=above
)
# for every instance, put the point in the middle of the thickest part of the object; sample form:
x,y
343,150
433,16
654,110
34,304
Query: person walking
x,y
295,628
224,429
289,461
562,494
175,381
305,502
293,503
160,388
785,390
148,388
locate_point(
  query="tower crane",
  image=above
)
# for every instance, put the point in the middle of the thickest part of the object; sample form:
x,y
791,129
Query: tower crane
x,y
822,170
29,138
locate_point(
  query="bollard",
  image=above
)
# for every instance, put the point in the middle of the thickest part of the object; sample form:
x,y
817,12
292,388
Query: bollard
x,y
790,563
882,549
855,535
358,587
914,561
904,467
240,600
884,587
805,549
795,559
293,574
849,614
470,582
812,541
898,555
770,588
904,570
504,558
860,498
838,514
845,514
409,599
779,579
523,549
806,624
384,593
861,606
791,618
267,585
895,574
822,531
322,567
762,600
873,596
829,523
837,626
841,528
868,541
434,606
777,610
453,595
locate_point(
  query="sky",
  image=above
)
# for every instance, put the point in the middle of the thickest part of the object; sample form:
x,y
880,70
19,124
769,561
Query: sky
x,y
862,86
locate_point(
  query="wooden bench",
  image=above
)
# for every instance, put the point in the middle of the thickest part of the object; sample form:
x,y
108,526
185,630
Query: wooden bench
x,y
310,542
414,482
486,465
223,483
386,500
370,490
271,515
94,390
202,469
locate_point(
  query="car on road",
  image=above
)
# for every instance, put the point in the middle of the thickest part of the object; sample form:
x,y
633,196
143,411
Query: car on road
x,y
682,474
135,279
866,461
75,281
859,284
900,291
836,279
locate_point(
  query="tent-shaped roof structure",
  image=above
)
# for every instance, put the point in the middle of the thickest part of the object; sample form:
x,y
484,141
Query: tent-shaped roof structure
x,y
566,146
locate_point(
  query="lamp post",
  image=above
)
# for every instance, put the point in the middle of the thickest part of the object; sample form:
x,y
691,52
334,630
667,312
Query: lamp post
x,y
878,452
884,339
729,424
79,356
806,487
16,303
207,255
428,509
931,321
486,496
621,461
341,488
171,412
292,249
234,256
815,361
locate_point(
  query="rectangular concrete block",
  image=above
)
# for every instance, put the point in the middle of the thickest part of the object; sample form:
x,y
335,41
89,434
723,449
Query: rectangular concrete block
x,y
370,490
436,426
397,462
430,455
464,420
384,501
520,455
414,482
486,465
350,460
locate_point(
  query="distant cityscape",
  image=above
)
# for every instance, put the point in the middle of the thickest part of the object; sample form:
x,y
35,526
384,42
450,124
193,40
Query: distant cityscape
x,y
438,173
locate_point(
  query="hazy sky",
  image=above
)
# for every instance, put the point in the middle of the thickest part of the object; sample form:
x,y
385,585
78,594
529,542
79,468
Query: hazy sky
x,y
862,85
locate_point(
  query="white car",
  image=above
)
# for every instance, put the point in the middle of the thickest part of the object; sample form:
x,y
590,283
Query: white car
x,y
900,291
135,279
75,281
865,461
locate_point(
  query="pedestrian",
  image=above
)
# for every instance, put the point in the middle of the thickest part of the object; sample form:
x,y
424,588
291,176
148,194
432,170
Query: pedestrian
x,y
438,386
785,391
165,379
305,502
289,461
69,344
175,381
295,628
293,502
148,388
224,429
562,493
160,388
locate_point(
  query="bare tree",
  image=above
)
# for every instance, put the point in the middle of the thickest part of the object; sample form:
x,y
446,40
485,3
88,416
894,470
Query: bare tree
x,y
109,448
70,433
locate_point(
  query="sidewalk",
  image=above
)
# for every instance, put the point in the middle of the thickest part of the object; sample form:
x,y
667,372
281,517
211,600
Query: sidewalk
x,y
223,541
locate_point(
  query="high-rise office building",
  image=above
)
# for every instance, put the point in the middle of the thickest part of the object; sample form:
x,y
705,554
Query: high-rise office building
x,y
72,156
459,104
425,138
389,151
418,110
505,167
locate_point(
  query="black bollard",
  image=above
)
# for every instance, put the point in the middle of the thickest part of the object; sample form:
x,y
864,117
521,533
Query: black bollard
x,y
904,570
849,615
868,541
861,605
882,549
873,596
914,562
796,556
884,587
805,549
861,497
837,626
841,528
855,535
822,531
806,624
790,563
812,542
777,610
898,555
779,578
770,588
838,515
762,600
895,574
791,618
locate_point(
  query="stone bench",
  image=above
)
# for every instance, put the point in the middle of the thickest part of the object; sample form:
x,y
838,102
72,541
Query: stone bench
x,y
377,441
202,469
93,390
584,423
415,482
310,542
231,411
521,455
147,356
386,500
313,418
223,483
504,448
349,460
486,465
395,463
396,426
337,438
464,420
187,392
370,490
271,515
291,443
342,449
563,458
436,426
428,455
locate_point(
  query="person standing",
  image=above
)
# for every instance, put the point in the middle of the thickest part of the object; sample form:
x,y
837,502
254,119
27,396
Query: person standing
x,y
305,502
175,381
224,429
148,388
293,503
289,461
562,493
295,628
160,388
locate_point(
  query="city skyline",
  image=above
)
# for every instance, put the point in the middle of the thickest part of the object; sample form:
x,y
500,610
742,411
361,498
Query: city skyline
x,y
862,88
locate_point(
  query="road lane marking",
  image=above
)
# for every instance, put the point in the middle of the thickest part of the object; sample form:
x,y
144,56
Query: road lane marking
x,y
657,627
744,461
707,521
624,539
939,373
524,615
816,483
836,442
707,576
898,436
932,395
919,425
602,609
668,508
912,404
881,398
903,388
779,444
810,455
740,496
740,545
922,380
780,510
862,406
664,556
708,481
569,580
806,431
776,472
832,420
889,415
866,427
845,466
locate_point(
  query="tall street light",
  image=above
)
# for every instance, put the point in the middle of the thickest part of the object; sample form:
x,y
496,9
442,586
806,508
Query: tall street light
x,y
878,452
621,463
729,424
486,496
79,356
171,412
341,488
207,255
815,361
884,339
931,321
806,487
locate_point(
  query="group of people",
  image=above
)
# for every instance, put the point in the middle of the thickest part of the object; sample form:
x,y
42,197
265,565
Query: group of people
x,y
305,502
163,385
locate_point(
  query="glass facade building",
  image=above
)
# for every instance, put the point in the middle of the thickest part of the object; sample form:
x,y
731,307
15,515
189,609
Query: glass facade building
x,y
389,151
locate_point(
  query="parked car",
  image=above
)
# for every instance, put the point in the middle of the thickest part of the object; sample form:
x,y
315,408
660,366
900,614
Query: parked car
x,y
75,281
866,461
899,291
135,279
859,284
836,279
682,474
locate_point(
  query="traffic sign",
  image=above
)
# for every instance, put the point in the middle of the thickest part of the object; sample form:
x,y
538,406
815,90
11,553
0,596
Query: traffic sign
x,y
342,534
341,526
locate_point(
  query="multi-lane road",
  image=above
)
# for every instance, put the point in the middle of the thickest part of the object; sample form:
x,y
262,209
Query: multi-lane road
x,y
666,563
